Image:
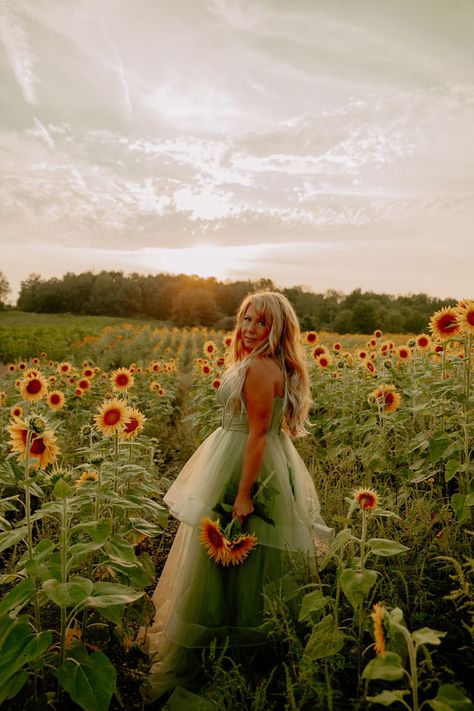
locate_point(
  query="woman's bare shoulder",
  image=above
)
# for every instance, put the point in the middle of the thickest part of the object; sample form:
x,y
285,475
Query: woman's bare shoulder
x,y
266,370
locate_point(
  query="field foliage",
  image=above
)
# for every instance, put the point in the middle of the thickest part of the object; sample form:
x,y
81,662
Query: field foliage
x,y
388,619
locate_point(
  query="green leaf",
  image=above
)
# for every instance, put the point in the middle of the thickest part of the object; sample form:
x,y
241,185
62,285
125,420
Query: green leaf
x,y
183,700
45,570
148,528
342,538
313,602
385,547
438,444
425,635
99,531
450,698
18,596
106,594
120,551
61,489
89,681
356,585
326,640
78,552
452,468
387,698
68,594
386,666
113,613
461,509
12,686
11,538
20,646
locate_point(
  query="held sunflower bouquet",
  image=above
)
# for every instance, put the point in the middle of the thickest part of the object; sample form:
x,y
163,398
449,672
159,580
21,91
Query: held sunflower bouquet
x,y
230,545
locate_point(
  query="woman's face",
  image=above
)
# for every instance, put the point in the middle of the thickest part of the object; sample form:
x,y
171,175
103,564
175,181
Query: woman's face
x,y
254,329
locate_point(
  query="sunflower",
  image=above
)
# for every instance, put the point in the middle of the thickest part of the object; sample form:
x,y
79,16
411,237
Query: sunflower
x,y
22,365
377,616
135,424
3,398
161,391
52,379
227,340
378,333
44,354
216,383
35,361
16,411
362,354
387,397
311,337
239,548
56,400
465,314
423,341
154,386
403,353
444,323
370,367
87,475
366,498
337,346
319,351
11,367
209,348
84,384
33,388
372,343
78,392
324,360
206,368
65,368
213,539
88,373
121,379
43,446
112,416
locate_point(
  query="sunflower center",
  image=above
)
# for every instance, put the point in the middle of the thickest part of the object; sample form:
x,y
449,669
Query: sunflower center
x,y
470,318
132,425
34,386
112,416
55,399
388,398
215,537
122,379
448,323
37,446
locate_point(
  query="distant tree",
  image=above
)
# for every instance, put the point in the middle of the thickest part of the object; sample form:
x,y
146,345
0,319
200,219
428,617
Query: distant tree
x,y
195,307
364,316
343,321
29,291
4,289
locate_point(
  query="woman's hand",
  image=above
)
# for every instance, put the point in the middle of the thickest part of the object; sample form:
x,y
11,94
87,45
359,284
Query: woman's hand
x,y
243,507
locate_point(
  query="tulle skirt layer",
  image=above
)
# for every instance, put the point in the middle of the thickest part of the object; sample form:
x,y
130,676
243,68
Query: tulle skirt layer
x,y
199,602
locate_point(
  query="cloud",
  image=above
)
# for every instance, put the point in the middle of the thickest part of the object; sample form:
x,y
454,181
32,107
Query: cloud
x,y
17,47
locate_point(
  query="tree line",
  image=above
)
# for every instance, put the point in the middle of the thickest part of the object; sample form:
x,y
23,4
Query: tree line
x,y
183,300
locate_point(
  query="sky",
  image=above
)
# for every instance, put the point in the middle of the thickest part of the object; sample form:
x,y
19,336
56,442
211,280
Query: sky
x,y
321,143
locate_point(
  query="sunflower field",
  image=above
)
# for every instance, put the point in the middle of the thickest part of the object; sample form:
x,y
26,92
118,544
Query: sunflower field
x,y
93,434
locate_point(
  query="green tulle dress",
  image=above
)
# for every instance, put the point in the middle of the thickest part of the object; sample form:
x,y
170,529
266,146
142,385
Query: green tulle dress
x,y
199,601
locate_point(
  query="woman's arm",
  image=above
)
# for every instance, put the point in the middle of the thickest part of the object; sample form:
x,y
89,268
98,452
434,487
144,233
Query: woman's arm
x,y
259,393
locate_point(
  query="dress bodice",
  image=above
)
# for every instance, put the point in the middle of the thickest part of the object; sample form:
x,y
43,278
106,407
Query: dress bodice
x,y
237,422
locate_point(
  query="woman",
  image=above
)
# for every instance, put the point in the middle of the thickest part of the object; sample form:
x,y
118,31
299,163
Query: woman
x,y
249,470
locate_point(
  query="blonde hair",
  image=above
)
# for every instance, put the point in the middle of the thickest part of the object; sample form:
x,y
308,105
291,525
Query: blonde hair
x,y
284,345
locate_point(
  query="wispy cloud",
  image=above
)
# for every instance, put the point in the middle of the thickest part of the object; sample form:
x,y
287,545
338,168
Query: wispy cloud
x,y
17,47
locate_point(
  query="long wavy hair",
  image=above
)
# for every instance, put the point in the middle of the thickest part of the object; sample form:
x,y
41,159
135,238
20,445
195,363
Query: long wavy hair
x,y
283,345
